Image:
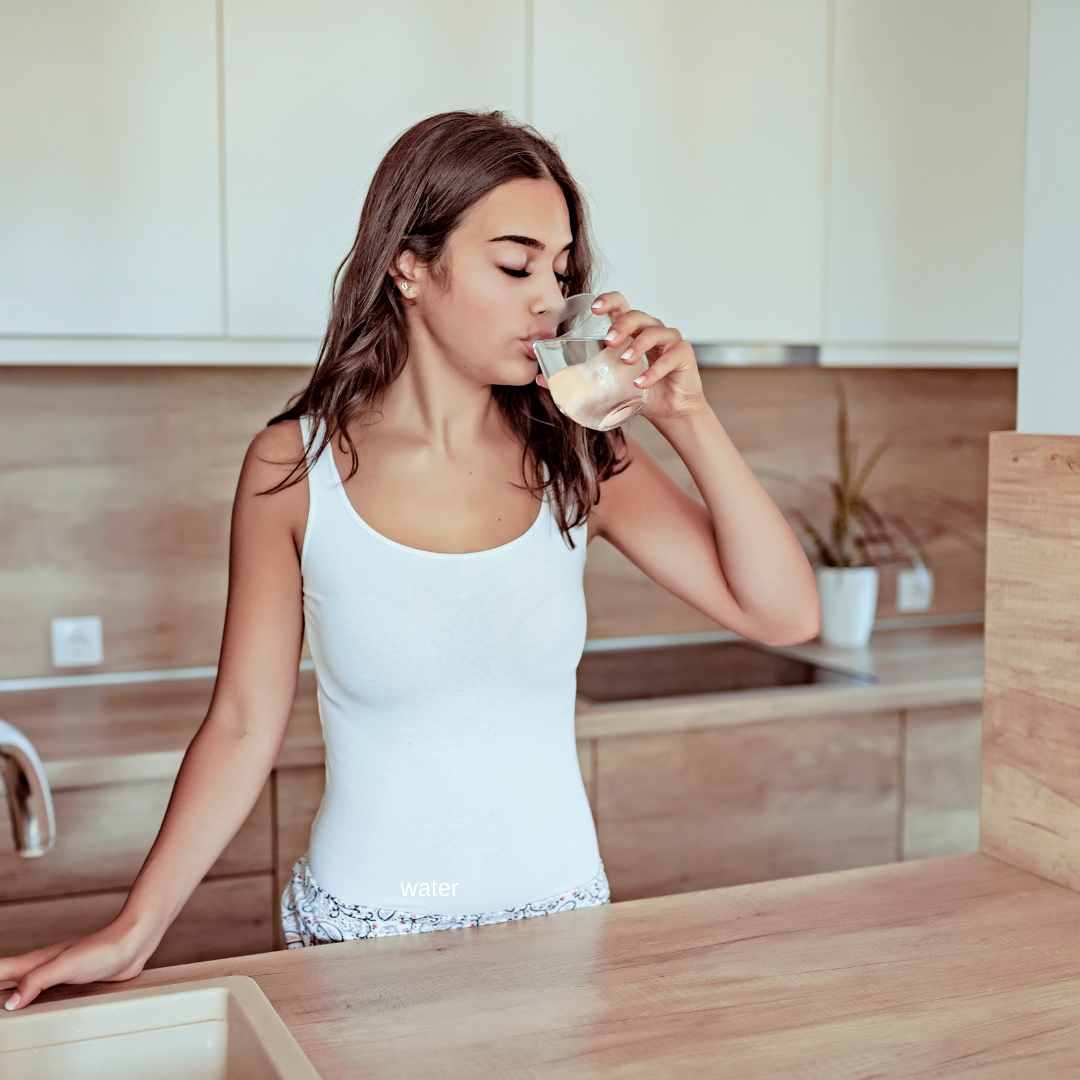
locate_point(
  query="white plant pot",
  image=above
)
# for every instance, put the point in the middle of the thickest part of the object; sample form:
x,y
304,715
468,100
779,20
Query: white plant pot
x,y
848,602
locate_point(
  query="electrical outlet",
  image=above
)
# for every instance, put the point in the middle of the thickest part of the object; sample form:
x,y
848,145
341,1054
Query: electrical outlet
x,y
76,642
914,590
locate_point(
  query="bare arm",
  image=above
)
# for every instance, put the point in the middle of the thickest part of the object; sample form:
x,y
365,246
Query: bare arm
x,y
234,750
733,557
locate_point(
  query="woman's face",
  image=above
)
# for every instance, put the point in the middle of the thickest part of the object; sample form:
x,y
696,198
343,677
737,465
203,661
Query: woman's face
x,y
503,265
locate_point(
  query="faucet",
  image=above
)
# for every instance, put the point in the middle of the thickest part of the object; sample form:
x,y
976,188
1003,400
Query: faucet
x,y
29,798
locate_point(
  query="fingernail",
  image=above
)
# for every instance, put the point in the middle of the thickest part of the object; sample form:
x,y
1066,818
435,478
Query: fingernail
x,y
626,355
639,380
597,303
611,336
12,1002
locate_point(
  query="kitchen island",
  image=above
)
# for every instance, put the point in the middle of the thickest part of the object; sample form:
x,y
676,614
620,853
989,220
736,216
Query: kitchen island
x,y
951,967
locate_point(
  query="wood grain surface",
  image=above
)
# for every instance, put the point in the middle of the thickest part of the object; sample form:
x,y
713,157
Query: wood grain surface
x,y
942,775
942,968
223,917
103,835
1031,739
723,806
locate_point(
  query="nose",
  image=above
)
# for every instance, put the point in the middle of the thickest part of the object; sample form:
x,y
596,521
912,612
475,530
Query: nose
x,y
551,296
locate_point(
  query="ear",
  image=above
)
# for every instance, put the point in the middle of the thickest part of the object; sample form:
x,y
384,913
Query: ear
x,y
409,274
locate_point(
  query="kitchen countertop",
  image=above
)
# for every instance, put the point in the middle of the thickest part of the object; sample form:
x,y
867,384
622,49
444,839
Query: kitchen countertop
x,y
950,967
129,732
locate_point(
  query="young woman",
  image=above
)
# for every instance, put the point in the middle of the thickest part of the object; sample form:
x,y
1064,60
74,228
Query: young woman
x,y
422,512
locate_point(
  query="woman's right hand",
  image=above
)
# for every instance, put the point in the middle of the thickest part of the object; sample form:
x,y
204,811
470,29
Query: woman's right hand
x,y
112,954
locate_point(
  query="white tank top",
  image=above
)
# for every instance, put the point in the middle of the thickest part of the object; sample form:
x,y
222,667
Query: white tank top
x,y
446,687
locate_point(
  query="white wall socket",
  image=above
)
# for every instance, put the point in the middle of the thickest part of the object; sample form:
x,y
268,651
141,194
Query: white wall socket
x,y
76,642
914,590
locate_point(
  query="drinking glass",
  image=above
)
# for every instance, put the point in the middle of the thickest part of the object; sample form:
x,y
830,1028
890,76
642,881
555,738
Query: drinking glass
x,y
588,381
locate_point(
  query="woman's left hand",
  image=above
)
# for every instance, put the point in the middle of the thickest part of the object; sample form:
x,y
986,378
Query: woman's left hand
x,y
673,380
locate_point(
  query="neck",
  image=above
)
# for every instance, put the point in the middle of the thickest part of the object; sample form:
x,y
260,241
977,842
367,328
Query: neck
x,y
434,402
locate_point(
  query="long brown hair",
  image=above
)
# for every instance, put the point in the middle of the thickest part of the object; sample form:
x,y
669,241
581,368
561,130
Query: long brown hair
x,y
421,190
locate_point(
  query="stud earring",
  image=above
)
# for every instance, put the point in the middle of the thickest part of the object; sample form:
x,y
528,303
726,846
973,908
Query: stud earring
x,y
406,288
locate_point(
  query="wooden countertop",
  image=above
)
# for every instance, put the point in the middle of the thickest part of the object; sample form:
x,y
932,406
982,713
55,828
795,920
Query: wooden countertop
x,y
111,734
952,967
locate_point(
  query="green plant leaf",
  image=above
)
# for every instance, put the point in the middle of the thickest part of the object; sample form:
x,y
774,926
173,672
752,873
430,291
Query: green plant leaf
x,y
825,556
868,465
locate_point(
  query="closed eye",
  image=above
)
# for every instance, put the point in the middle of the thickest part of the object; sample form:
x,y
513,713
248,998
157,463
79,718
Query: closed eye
x,y
561,278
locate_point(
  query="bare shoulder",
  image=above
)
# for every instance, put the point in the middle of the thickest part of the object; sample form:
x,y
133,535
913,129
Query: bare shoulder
x,y
271,460
273,455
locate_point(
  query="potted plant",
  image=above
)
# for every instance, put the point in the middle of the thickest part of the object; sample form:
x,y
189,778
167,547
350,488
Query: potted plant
x,y
858,541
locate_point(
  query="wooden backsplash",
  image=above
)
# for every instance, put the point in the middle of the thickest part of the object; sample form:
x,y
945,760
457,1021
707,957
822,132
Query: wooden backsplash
x,y
116,483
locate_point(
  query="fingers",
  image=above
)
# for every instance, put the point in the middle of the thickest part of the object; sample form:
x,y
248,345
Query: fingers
x,y
630,325
668,362
65,968
611,303
80,960
659,337
14,968
541,381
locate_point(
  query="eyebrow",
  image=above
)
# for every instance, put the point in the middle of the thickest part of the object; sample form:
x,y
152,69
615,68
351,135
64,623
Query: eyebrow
x,y
526,241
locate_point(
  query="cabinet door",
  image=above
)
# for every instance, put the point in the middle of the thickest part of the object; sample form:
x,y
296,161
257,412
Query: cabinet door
x,y
299,793
103,835
942,781
109,191
698,130
223,917
726,806
315,93
927,173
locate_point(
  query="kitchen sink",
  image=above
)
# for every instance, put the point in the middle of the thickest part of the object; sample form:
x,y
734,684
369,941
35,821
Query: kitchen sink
x,y
681,669
217,1029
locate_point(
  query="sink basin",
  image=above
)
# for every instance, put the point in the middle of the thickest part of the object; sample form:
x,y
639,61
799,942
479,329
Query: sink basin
x,y
218,1029
677,670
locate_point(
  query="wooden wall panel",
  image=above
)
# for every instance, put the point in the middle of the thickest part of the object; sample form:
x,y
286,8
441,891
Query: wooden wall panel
x,y
103,835
783,422
942,756
225,917
1031,739
725,806
116,485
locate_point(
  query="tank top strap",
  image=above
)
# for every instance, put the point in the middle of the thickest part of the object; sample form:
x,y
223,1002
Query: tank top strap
x,y
322,477
321,470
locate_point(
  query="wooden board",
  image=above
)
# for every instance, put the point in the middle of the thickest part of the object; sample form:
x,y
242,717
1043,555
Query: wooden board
x,y
723,806
224,917
950,969
1031,740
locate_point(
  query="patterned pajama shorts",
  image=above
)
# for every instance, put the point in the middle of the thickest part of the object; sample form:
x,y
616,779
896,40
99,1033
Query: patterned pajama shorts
x,y
311,916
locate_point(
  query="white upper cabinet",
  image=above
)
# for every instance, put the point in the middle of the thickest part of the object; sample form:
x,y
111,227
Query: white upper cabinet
x,y
927,174
315,93
699,132
109,186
